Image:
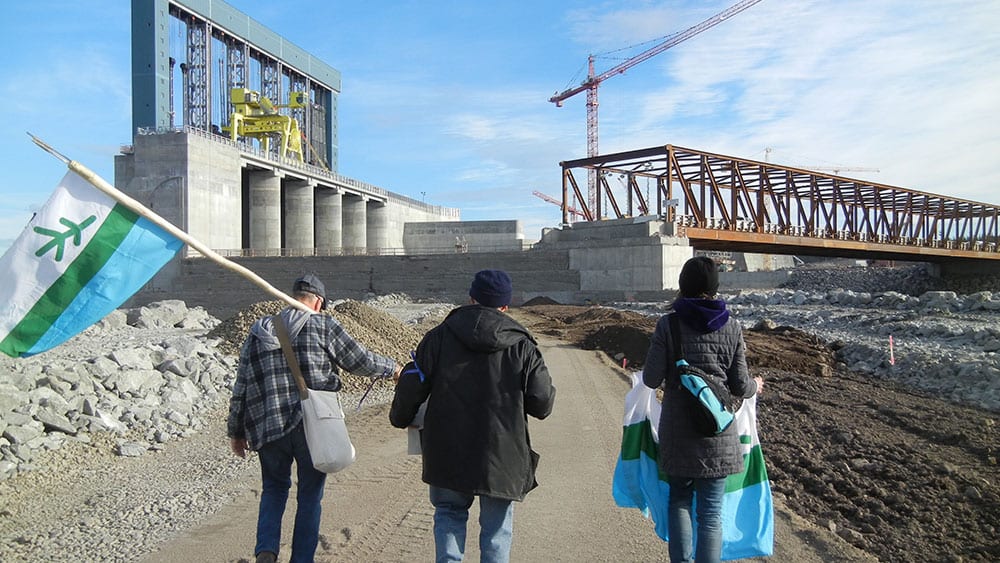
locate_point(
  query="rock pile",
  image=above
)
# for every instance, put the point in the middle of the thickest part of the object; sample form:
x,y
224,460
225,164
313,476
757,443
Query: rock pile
x,y
149,375
911,280
152,383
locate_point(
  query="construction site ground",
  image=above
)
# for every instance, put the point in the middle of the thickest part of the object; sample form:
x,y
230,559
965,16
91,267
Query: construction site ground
x,y
861,470
899,475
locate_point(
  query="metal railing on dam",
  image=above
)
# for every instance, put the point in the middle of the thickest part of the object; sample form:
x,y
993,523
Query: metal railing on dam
x,y
726,203
361,251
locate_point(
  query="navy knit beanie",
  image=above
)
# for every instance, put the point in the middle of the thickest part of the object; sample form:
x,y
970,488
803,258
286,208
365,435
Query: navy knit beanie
x,y
491,288
699,276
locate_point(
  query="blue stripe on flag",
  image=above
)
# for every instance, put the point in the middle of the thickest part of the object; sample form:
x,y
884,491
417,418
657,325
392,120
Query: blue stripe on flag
x,y
145,249
748,522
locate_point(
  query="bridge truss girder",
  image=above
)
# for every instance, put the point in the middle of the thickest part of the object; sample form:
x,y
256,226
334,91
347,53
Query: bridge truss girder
x,y
757,201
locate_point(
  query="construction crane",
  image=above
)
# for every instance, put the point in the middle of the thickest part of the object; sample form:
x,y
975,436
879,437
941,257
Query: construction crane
x,y
550,199
593,81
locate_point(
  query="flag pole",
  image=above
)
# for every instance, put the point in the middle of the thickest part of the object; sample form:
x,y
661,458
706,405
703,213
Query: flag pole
x,y
142,210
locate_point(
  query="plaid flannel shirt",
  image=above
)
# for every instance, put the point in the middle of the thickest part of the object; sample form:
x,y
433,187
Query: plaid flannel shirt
x,y
265,402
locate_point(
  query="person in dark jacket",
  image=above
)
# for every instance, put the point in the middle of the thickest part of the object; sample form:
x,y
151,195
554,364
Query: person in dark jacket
x,y
481,375
697,465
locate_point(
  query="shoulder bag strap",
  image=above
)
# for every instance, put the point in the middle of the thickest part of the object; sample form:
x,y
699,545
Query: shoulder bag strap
x,y
293,362
675,338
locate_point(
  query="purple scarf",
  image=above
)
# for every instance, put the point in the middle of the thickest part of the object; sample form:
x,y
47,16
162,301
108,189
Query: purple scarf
x,y
703,315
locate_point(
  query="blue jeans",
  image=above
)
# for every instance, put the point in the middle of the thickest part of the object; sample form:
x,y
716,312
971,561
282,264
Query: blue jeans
x,y
276,475
451,513
706,496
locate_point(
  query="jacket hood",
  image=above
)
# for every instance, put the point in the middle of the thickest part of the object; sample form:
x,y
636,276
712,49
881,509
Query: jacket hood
x,y
703,315
484,329
263,328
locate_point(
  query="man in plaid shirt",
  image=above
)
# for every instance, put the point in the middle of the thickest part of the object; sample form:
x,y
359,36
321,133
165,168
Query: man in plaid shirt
x,y
265,414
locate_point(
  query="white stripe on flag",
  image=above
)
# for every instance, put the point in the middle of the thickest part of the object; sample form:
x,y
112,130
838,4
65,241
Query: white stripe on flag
x,y
27,277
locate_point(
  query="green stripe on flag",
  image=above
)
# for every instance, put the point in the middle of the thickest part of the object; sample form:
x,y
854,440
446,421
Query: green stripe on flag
x,y
754,471
53,302
638,438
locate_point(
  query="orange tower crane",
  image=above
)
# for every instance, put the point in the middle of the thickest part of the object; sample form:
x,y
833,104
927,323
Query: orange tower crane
x,y
591,83
550,199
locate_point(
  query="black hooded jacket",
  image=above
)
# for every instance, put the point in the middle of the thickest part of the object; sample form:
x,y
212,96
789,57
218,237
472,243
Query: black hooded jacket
x,y
482,376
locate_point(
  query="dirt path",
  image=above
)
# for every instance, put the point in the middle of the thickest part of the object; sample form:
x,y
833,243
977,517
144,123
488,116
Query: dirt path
x,y
378,509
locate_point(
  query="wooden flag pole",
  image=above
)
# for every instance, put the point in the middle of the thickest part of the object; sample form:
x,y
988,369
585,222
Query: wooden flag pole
x,y
142,210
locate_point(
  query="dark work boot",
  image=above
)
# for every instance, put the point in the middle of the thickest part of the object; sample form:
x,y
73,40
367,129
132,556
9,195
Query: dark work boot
x,y
267,557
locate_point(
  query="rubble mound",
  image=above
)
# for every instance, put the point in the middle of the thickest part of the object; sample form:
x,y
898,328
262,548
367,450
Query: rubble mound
x,y
621,334
909,280
375,329
789,349
540,300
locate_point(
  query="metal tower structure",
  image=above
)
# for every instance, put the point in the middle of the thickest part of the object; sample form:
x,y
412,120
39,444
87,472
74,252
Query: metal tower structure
x,y
187,55
593,81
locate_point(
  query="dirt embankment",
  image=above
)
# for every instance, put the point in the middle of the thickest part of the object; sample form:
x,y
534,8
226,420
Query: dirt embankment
x,y
900,475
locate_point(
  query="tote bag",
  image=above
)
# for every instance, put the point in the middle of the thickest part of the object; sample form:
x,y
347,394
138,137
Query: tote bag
x,y
329,444
326,433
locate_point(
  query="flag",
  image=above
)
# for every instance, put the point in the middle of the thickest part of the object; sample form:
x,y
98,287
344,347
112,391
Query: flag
x,y
747,511
80,257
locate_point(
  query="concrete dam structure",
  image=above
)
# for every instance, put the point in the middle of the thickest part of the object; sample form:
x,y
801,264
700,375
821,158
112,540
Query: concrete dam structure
x,y
240,202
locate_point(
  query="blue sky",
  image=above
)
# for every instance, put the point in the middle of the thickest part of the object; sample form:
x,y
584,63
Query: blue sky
x,y
447,101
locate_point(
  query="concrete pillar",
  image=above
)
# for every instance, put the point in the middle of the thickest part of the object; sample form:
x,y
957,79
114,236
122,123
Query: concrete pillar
x,y
299,217
355,215
378,226
329,221
265,210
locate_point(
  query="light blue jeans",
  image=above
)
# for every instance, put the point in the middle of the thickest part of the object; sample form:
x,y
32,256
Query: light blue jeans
x,y
706,496
276,474
451,514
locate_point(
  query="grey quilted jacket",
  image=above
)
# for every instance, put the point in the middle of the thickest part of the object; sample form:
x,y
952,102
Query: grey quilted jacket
x,y
684,452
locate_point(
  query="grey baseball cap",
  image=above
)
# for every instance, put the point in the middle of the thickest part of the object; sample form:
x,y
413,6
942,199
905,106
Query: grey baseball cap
x,y
311,284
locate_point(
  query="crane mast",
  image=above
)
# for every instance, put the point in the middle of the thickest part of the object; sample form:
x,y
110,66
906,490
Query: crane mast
x,y
593,81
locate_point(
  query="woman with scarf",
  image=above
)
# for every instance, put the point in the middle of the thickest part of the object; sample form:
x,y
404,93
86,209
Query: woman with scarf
x,y
697,465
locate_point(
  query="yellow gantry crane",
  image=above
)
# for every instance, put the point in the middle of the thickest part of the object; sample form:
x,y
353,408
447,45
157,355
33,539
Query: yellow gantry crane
x,y
256,117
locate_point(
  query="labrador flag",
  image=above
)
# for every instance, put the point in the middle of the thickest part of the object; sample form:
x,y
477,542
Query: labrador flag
x,y
80,257
747,510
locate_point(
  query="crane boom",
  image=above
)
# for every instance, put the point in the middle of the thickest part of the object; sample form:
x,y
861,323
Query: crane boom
x,y
655,50
550,199
591,83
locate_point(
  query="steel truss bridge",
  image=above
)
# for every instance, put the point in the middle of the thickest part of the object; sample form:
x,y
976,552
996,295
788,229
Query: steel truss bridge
x,y
731,204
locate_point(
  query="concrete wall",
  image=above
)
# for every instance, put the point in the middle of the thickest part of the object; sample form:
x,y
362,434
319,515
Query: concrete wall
x,y
404,211
201,282
189,180
749,262
624,260
465,236
634,254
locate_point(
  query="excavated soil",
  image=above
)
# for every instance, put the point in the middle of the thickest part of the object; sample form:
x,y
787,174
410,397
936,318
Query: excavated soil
x,y
900,475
